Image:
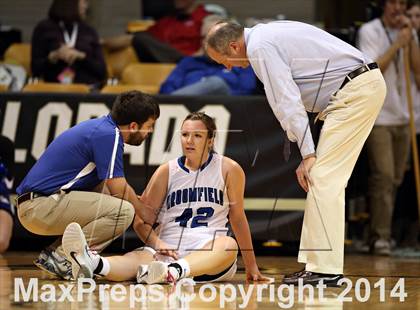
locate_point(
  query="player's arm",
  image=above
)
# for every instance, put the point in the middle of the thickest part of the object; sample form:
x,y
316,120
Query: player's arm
x,y
152,199
235,183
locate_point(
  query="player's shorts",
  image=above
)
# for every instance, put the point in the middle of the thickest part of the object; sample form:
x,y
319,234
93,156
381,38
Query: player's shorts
x,y
192,240
224,276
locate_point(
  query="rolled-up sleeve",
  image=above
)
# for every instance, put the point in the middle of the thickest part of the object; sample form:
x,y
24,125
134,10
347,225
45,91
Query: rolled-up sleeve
x,y
283,96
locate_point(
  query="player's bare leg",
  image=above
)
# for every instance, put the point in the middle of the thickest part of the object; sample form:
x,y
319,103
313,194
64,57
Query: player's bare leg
x,y
218,255
123,268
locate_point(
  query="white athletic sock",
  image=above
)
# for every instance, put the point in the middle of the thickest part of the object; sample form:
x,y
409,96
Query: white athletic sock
x,y
96,259
103,267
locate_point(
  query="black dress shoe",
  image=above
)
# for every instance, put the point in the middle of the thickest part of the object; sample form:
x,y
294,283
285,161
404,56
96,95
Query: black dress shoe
x,y
313,278
295,274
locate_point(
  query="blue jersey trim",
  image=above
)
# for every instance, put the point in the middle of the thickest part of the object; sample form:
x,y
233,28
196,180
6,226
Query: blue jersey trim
x,y
181,163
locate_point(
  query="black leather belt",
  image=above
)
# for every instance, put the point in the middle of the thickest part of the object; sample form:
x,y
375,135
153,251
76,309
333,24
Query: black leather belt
x,y
28,196
358,72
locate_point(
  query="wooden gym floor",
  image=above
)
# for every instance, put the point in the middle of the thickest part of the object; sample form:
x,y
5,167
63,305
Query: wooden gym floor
x,y
362,271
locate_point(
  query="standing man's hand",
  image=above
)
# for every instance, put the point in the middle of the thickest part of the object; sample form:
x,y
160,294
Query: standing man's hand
x,y
302,172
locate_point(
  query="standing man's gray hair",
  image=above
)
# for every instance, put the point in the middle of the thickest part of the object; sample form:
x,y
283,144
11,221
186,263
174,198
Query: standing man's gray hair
x,y
225,33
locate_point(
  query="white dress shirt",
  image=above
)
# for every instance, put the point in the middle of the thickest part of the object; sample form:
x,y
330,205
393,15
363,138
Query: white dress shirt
x,y
373,41
301,66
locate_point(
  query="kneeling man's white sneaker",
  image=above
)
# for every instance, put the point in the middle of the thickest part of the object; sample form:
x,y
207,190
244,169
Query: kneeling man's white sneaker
x,y
83,261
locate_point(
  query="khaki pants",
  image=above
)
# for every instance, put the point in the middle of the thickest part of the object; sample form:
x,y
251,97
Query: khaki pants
x,y
388,149
349,118
102,217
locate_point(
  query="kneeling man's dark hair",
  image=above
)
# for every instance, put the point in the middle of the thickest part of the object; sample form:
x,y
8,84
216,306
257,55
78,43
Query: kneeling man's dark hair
x,y
134,106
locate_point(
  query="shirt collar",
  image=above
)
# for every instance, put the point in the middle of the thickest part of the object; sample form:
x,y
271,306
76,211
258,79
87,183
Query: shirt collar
x,y
181,163
247,32
111,120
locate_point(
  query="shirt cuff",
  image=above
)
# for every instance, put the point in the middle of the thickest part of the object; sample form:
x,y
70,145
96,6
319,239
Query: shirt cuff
x,y
307,150
309,155
308,147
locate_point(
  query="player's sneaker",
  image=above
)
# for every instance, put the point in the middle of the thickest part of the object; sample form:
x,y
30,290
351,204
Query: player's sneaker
x,y
158,272
83,261
54,264
142,273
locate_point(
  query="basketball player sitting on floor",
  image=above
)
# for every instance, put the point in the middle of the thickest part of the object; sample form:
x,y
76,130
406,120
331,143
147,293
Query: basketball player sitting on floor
x,y
194,196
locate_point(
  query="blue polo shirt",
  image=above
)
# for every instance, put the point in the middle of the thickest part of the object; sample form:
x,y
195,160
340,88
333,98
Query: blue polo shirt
x,y
78,159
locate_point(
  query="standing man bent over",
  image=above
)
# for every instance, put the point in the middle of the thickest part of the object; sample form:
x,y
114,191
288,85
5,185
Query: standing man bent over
x,y
303,68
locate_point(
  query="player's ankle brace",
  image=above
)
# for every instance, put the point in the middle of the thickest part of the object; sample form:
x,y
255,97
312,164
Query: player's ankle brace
x,y
182,267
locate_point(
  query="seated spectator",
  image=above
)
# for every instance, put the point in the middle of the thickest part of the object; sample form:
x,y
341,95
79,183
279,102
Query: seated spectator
x,y
7,151
200,75
65,49
170,38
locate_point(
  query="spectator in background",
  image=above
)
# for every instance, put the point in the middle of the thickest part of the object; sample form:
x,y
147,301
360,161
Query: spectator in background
x,y
413,13
383,39
406,218
65,49
170,38
7,211
200,75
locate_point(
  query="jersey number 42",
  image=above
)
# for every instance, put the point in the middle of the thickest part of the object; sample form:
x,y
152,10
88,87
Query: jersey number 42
x,y
203,214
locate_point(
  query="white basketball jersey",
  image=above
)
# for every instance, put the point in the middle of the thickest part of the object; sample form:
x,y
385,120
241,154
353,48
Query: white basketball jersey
x,y
196,201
